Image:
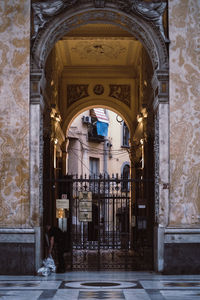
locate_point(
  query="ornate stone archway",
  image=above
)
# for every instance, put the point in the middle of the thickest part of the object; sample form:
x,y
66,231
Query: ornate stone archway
x,y
142,20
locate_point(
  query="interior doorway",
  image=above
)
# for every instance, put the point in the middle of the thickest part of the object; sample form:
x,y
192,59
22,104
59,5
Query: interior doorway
x,y
102,64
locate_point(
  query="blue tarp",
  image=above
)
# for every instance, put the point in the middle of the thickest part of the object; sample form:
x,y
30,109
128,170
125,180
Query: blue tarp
x,y
102,128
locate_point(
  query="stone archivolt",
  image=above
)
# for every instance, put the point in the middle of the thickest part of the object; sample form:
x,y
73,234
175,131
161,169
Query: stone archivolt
x,y
53,26
153,12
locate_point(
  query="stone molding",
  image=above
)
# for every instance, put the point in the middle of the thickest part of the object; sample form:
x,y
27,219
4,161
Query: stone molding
x,y
35,83
182,235
8,235
160,84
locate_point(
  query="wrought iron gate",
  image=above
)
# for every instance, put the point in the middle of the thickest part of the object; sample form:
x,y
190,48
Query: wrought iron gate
x,y
102,223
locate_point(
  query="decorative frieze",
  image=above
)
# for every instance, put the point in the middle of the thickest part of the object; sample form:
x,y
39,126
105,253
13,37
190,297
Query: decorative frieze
x,y
76,92
121,92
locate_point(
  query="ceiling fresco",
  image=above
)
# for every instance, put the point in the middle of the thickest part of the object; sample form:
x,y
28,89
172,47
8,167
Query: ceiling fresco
x,y
102,45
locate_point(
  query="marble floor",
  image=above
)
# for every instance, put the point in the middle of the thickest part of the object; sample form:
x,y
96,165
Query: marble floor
x,y
101,285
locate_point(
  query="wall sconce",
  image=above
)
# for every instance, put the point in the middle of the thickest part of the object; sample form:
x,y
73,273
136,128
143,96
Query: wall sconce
x,y
139,118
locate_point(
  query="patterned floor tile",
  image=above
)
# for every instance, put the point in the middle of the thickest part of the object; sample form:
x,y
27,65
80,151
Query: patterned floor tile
x,y
89,295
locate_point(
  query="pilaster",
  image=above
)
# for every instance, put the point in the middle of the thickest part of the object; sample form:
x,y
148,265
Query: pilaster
x,y
36,161
161,150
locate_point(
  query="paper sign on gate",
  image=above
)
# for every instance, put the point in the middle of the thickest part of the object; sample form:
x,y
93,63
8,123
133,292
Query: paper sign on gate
x,y
62,203
85,205
85,216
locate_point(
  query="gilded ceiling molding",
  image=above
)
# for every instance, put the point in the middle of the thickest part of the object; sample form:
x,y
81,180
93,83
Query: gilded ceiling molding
x,y
142,20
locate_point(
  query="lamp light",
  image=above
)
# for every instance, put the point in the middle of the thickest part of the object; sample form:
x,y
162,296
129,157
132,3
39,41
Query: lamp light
x,y
139,118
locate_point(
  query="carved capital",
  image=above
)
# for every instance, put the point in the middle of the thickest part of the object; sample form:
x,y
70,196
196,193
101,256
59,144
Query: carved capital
x,y
160,84
36,98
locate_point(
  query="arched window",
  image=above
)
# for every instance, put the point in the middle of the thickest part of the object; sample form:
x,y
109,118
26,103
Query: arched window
x,y
125,135
125,176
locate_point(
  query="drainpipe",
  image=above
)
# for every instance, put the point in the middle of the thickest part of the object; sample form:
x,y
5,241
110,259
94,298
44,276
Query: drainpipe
x,y
105,157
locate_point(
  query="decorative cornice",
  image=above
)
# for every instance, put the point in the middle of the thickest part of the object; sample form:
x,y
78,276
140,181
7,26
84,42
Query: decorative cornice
x,y
35,80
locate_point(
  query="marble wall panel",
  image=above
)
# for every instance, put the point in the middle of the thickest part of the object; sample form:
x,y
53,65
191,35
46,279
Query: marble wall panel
x,y
184,33
14,112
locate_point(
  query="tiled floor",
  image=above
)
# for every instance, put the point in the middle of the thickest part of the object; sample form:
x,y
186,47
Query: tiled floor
x,y
101,285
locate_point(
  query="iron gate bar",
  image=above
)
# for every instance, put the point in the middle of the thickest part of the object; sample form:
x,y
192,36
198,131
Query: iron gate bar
x,y
99,180
110,245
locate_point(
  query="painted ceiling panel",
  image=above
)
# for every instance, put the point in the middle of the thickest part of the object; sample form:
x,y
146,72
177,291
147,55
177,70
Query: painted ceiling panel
x,y
99,52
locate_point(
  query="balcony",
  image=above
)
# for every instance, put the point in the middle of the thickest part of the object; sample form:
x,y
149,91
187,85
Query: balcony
x,y
92,134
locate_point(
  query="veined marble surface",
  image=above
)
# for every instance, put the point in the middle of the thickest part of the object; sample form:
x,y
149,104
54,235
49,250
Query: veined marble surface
x,y
14,112
184,76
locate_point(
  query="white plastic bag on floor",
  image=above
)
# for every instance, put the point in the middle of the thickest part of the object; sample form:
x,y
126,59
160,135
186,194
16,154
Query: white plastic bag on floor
x,y
44,271
48,267
49,263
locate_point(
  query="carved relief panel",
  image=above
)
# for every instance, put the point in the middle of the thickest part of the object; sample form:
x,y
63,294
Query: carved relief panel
x,y
121,92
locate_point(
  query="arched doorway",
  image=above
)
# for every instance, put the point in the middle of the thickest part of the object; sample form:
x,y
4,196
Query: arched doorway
x,y
137,25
